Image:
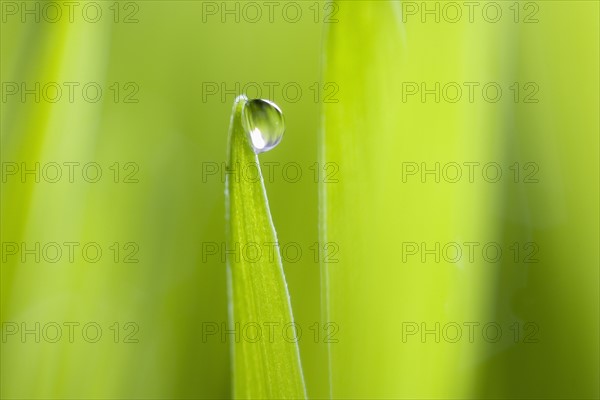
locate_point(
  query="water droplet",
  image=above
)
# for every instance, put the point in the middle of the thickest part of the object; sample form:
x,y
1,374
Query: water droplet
x,y
263,121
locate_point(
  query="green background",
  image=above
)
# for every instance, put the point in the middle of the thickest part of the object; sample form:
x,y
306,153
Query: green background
x,y
172,134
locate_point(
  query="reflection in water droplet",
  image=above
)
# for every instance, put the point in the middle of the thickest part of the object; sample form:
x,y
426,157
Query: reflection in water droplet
x,y
264,123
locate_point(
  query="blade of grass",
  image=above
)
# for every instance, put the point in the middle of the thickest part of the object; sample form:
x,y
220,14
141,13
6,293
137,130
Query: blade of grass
x,y
373,210
258,295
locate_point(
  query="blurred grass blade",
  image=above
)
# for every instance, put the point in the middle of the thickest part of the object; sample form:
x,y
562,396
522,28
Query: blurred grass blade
x,y
258,296
370,135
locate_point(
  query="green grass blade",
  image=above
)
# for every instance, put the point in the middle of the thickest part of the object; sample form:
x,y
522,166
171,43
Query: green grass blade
x,y
369,135
269,367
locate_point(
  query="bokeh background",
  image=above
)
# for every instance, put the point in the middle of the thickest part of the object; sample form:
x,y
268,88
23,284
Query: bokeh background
x,y
169,72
